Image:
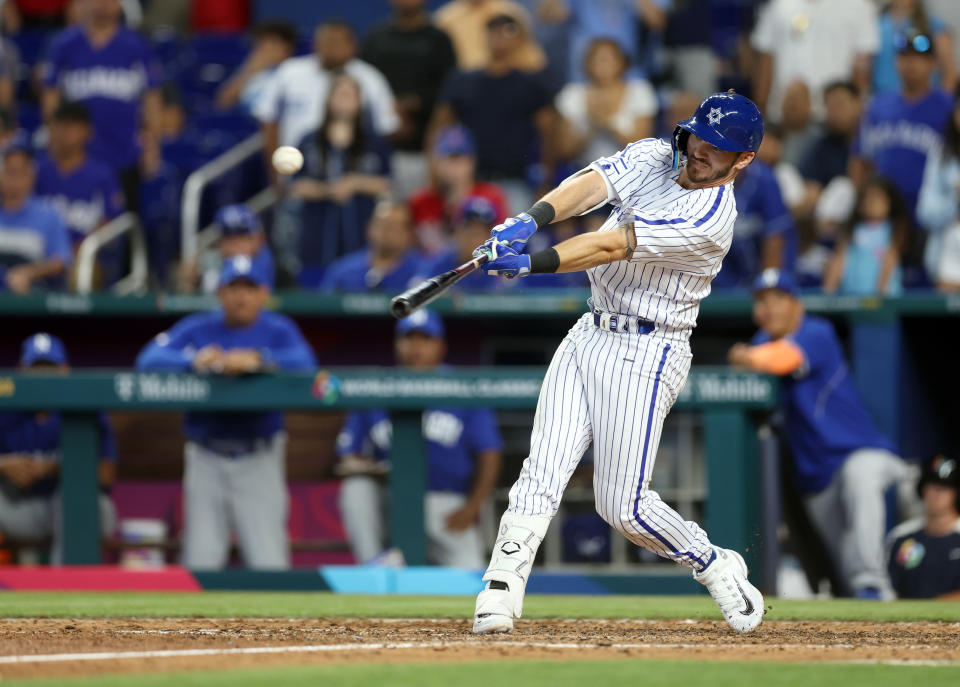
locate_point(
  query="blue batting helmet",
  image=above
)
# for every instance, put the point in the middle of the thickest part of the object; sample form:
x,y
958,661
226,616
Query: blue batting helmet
x,y
725,120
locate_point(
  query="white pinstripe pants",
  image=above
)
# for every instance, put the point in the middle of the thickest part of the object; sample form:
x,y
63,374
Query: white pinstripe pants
x,y
614,389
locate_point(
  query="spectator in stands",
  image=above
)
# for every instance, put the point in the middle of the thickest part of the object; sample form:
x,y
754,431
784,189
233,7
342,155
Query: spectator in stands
x,y
827,156
111,70
924,554
866,261
813,42
899,18
30,459
474,217
83,190
273,42
434,208
241,233
628,23
34,243
294,102
415,56
388,263
346,167
507,110
609,111
463,461
937,208
842,464
466,21
234,476
764,232
898,131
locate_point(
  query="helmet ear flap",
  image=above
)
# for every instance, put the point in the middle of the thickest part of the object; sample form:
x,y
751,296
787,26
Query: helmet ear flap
x,y
680,138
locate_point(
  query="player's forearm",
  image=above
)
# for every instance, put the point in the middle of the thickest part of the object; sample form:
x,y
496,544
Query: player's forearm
x,y
593,249
155,357
577,195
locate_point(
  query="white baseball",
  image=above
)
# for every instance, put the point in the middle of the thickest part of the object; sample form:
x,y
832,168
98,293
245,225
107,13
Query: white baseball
x,y
287,160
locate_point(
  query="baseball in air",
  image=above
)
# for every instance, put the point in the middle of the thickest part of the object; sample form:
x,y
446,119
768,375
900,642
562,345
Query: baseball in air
x,y
287,160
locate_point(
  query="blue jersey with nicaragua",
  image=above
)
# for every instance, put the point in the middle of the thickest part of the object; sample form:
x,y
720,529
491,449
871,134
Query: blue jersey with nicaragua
x,y
897,136
110,81
825,417
85,198
454,436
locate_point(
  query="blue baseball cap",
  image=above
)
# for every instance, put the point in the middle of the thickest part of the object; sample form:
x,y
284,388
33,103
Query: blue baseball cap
x,y
773,278
422,321
43,347
477,208
454,140
237,220
243,267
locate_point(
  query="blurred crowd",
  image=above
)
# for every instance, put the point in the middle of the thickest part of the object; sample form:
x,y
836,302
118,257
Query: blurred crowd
x,y
432,126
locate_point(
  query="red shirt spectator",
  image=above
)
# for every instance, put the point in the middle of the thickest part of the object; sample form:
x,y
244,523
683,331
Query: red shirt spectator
x,y
434,208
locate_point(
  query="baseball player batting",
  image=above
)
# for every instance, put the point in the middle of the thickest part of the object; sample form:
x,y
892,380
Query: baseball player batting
x,y
618,372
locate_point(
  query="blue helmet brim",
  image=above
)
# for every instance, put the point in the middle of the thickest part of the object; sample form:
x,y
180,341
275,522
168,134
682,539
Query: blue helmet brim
x,y
712,136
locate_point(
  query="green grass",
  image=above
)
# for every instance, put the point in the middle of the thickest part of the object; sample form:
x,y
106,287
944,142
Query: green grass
x,y
533,673
316,604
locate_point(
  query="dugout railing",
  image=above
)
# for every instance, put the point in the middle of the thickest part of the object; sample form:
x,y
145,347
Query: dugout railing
x,y
731,406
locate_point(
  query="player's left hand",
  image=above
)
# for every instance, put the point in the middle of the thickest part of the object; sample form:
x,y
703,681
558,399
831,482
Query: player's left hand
x,y
514,232
242,361
462,519
506,262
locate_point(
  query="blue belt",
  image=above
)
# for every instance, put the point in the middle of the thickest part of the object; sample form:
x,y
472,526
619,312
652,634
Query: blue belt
x,y
234,448
615,322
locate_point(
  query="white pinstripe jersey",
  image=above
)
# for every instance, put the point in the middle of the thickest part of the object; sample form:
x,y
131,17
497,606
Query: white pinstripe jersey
x,y
682,237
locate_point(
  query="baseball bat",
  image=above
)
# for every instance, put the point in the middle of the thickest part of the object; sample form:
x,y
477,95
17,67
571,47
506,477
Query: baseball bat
x,y
424,292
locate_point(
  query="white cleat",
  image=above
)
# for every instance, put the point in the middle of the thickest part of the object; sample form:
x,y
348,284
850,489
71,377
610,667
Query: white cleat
x,y
492,623
494,614
726,579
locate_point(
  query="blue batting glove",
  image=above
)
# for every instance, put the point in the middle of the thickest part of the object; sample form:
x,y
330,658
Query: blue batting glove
x,y
515,231
507,262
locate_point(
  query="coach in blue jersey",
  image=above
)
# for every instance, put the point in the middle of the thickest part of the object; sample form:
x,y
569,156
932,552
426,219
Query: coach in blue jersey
x,y
463,461
924,554
389,262
842,464
30,458
234,476
111,70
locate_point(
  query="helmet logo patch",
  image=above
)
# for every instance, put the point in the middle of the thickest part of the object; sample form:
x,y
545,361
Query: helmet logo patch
x,y
716,114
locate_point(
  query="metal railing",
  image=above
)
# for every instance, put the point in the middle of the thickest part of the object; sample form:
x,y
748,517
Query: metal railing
x,y
199,180
136,280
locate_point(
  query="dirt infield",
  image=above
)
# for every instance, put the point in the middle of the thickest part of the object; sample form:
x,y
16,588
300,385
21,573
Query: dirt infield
x,y
52,647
